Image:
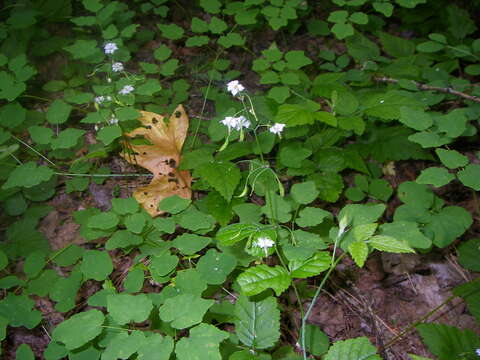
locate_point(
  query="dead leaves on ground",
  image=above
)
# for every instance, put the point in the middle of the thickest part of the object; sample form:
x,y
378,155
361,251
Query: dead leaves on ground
x,y
161,158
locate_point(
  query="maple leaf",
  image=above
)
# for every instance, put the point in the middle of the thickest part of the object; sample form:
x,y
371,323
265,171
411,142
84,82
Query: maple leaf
x,y
161,158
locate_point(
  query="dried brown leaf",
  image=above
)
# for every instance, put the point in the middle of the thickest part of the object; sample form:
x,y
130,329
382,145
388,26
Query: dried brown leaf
x,y
161,158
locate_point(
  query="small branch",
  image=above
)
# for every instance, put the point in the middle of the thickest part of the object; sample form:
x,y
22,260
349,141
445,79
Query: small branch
x,y
425,87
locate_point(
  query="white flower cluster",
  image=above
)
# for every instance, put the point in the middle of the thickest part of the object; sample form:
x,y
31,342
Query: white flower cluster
x,y
110,48
277,128
236,123
477,352
117,67
127,89
234,87
100,99
113,120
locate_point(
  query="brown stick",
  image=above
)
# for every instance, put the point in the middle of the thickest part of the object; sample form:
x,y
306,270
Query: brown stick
x,y
431,88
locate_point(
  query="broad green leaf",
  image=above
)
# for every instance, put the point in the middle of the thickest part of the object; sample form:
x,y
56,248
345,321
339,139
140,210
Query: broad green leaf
x,y
12,115
279,93
67,139
231,39
190,281
436,176
155,347
389,244
58,112
415,194
201,344
316,341
329,184
189,244
342,30
222,176
448,342
82,49
452,124
359,214
123,345
364,231
296,59
126,308
174,204
393,45
310,216
135,223
24,352
79,329
359,252
383,7
447,225
234,233
310,267
96,265
171,31
452,159
123,239
215,266
470,292
183,311
108,134
387,105
469,254
134,280
415,118
407,231
380,189
162,264
19,311
41,135
103,221
429,46
359,18
257,324
258,278
28,175
429,139
34,263
353,349
470,176
293,154
295,114
194,220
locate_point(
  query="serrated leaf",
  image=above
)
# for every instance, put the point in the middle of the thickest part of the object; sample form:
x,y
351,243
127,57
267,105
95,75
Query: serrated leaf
x,y
448,342
258,323
389,244
352,349
222,176
359,252
184,310
79,329
261,277
126,308
310,267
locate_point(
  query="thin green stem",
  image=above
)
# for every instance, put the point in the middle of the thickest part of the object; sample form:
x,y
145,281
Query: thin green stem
x,y
35,151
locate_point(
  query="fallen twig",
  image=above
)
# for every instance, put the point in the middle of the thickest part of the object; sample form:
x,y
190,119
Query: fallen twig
x,y
447,90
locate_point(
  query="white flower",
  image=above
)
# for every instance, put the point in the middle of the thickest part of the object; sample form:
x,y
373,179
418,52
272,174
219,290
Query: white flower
x,y
110,48
113,120
242,122
477,352
96,127
265,243
127,89
99,99
236,123
117,67
277,128
235,87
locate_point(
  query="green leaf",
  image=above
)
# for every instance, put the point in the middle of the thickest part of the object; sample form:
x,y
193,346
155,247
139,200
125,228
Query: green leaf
x,y
199,26
12,115
171,31
103,221
387,105
123,239
3,260
296,59
82,49
134,280
470,176
448,342
415,118
190,281
452,159
429,139
429,47
359,252
34,263
215,266
155,347
383,7
393,45
92,5
389,244
310,216
197,41
257,324
295,114
217,26
174,204
189,244
67,139
24,352
231,39
41,135
149,87
123,345
316,341
359,18
28,175
222,176
96,265
469,253
310,267
211,6
436,176
184,310
256,279
339,16
202,344
447,225
342,31
108,134
407,231
380,189
126,308
192,219
9,88
135,223
415,194
359,214
279,93
470,292
58,112
304,193
161,265
19,311
293,154
329,184
352,349
234,233
79,329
